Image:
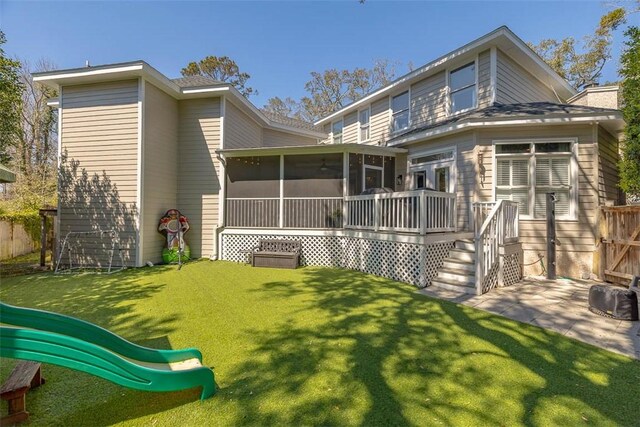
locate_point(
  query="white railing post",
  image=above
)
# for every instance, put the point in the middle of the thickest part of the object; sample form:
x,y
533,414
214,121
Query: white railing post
x,y
281,201
377,212
422,214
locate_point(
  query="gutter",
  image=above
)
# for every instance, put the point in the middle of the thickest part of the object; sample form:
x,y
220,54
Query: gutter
x,y
473,124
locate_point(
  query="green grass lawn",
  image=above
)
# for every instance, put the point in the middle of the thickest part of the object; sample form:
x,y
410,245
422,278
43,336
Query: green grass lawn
x,y
322,346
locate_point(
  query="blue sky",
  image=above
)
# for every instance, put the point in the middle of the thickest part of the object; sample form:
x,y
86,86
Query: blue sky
x,y
279,43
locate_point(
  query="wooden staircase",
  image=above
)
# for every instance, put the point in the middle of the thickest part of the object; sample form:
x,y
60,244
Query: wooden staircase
x,y
458,271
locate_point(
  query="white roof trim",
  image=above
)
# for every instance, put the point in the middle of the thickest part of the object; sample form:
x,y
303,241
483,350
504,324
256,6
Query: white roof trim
x,y
459,127
142,69
312,149
76,73
475,44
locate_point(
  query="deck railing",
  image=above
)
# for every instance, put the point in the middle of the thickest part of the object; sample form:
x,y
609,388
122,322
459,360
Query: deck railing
x,y
500,226
418,211
292,212
253,212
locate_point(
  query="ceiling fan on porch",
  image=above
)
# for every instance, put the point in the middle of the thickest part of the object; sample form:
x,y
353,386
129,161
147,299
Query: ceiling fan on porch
x,y
326,169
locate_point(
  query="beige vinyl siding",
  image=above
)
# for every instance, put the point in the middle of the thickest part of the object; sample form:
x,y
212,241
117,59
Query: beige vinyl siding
x,y
516,85
428,100
474,180
160,166
575,235
608,178
240,131
379,124
274,138
98,171
484,79
350,128
466,170
199,171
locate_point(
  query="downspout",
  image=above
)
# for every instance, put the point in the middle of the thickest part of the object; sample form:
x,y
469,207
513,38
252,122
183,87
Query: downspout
x,y
221,210
217,254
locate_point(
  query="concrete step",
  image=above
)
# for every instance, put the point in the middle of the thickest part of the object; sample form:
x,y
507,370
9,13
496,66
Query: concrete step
x,y
456,264
457,276
453,286
467,245
462,255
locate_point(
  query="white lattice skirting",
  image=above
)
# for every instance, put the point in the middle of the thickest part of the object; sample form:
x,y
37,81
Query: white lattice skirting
x,y
406,262
512,267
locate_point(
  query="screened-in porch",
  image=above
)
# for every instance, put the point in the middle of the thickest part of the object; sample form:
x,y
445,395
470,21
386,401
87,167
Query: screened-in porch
x,y
348,186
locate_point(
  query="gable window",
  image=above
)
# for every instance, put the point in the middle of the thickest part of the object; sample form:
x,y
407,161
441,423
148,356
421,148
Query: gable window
x,y
400,112
336,131
526,172
462,88
364,118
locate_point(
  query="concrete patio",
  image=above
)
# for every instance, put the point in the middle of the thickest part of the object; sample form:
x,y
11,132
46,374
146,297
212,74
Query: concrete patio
x,y
560,306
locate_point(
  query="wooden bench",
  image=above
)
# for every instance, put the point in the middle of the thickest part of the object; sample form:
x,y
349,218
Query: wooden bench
x,y
25,376
276,253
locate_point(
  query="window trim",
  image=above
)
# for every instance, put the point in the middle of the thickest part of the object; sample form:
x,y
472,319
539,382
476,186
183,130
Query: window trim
x,y
360,140
341,133
391,113
449,70
574,183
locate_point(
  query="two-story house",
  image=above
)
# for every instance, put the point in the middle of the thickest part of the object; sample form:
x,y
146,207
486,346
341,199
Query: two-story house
x,y
421,180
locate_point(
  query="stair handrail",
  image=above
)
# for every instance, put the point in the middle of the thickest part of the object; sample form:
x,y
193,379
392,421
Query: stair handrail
x,y
487,244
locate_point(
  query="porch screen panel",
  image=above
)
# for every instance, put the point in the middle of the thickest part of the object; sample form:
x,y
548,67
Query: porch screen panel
x,y
389,172
252,191
313,191
355,174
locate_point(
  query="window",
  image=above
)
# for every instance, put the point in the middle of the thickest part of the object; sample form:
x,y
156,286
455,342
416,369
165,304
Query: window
x,y
365,115
525,173
462,88
336,130
445,155
400,112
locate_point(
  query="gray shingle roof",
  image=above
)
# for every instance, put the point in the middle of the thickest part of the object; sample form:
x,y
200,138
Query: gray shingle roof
x,y
201,81
289,121
197,81
509,111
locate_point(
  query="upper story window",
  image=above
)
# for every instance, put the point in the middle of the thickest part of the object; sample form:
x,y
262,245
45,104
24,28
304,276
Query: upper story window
x,y
400,112
462,88
525,172
364,118
336,131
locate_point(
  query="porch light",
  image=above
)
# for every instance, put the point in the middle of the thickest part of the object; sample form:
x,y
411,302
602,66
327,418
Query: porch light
x,y
399,180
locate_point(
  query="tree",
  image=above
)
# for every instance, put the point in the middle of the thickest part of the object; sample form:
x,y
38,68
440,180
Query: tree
x,y
10,102
221,68
582,65
630,72
33,154
287,107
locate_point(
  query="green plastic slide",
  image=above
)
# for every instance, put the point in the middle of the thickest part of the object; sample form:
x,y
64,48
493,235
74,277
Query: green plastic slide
x,y
53,338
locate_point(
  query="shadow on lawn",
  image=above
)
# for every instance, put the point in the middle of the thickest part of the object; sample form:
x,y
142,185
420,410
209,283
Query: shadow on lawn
x,y
402,358
107,301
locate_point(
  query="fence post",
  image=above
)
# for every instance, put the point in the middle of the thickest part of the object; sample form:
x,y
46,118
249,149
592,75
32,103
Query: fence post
x,y
43,239
603,234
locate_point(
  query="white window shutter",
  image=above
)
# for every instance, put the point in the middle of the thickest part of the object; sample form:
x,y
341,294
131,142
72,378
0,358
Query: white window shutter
x,y
520,172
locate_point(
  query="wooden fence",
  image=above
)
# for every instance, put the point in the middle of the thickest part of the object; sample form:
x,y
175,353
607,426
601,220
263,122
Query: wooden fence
x,y
618,253
14,240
